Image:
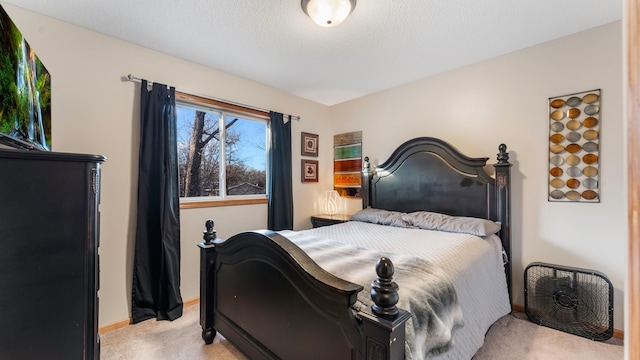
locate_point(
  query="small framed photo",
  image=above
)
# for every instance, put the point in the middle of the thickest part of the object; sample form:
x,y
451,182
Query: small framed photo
x,y
309,144
309,170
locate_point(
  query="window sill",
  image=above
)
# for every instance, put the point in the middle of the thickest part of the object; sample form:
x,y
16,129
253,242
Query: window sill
x,y
219,203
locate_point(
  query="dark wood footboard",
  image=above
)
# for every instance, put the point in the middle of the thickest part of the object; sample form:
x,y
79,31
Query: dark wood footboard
x,y
267,297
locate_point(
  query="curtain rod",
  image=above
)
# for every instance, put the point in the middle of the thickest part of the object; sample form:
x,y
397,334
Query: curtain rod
x,y
130,77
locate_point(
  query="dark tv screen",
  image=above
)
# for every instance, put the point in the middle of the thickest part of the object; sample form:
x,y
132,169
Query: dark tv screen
x,y
25,91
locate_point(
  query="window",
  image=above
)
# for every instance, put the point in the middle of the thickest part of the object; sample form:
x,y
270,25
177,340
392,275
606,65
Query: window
x,y
222,152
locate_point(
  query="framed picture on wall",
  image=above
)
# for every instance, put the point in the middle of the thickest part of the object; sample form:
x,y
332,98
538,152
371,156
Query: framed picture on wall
x,y
309,169
309,144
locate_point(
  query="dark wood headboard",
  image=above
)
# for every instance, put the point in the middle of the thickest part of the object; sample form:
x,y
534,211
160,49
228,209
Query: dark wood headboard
x,y
428,174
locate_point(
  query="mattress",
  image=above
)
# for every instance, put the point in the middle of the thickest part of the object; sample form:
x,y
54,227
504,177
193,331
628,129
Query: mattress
x,y
474,265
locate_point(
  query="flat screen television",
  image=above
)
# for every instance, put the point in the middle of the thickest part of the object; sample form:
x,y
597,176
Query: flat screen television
x,y
25,92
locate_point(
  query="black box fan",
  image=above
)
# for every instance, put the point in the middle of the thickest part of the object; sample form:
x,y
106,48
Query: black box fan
x,y
576,301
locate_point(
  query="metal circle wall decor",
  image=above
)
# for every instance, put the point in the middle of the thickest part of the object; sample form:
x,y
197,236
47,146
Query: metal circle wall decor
x,y
557,115
591,109
590,171
590,159
573,160
557,194
590,98
573,183
590,147
573,195
557,138
556,171
590,135
574,171
557,126
573,136
574,125
590,184
557,183
589,195
590,122
573,101
557,160
573,113
574,147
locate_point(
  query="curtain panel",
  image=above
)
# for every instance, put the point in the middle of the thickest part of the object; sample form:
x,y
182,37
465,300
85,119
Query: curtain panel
x,y
156,264
280,209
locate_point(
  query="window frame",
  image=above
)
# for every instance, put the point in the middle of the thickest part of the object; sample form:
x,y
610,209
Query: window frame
x,y
226,109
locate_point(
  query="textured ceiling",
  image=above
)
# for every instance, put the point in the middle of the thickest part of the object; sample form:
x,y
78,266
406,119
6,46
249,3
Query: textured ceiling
x,y
384,43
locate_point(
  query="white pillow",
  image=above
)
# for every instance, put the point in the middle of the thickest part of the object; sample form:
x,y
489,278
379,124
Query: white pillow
x,y
459,224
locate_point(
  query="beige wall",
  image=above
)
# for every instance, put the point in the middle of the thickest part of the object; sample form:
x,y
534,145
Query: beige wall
x,y
475,108
95,111
505,100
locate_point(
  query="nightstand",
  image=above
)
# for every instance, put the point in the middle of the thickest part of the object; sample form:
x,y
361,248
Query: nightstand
x,y
324,219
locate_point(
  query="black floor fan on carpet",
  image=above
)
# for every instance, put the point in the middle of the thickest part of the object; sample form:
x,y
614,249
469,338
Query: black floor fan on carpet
x,y
576,301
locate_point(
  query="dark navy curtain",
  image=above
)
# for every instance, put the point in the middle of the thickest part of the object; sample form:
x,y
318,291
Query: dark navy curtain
x,y
280,185
156,264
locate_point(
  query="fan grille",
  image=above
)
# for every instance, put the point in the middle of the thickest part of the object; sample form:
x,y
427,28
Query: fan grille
x,y
577,301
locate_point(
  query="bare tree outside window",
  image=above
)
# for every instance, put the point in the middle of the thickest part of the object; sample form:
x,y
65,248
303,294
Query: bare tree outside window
x,y
212,142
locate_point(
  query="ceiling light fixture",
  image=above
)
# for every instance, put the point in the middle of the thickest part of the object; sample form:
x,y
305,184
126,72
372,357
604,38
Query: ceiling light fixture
x,y
328,12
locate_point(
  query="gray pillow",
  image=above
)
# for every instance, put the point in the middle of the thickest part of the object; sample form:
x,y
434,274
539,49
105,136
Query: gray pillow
x,y
459,224
382,217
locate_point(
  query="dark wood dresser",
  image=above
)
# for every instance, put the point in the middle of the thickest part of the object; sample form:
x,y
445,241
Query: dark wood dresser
x,y
49,265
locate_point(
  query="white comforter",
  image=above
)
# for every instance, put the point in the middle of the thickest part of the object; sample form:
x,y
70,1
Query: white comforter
x,y
474,265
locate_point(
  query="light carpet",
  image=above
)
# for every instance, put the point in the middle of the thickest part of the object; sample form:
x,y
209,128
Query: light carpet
x,y
513,337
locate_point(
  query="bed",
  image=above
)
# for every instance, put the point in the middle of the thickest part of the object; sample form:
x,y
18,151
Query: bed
x,y
299,295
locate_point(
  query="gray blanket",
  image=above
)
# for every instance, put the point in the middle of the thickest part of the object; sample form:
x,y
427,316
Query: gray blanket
x,y
425,290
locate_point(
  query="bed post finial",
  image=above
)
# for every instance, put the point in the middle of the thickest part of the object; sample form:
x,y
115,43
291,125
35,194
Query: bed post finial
x,y
503,155
384,291
209,234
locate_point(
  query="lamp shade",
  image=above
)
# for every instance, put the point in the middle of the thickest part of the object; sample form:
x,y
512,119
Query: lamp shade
x,y
328,12
331,203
